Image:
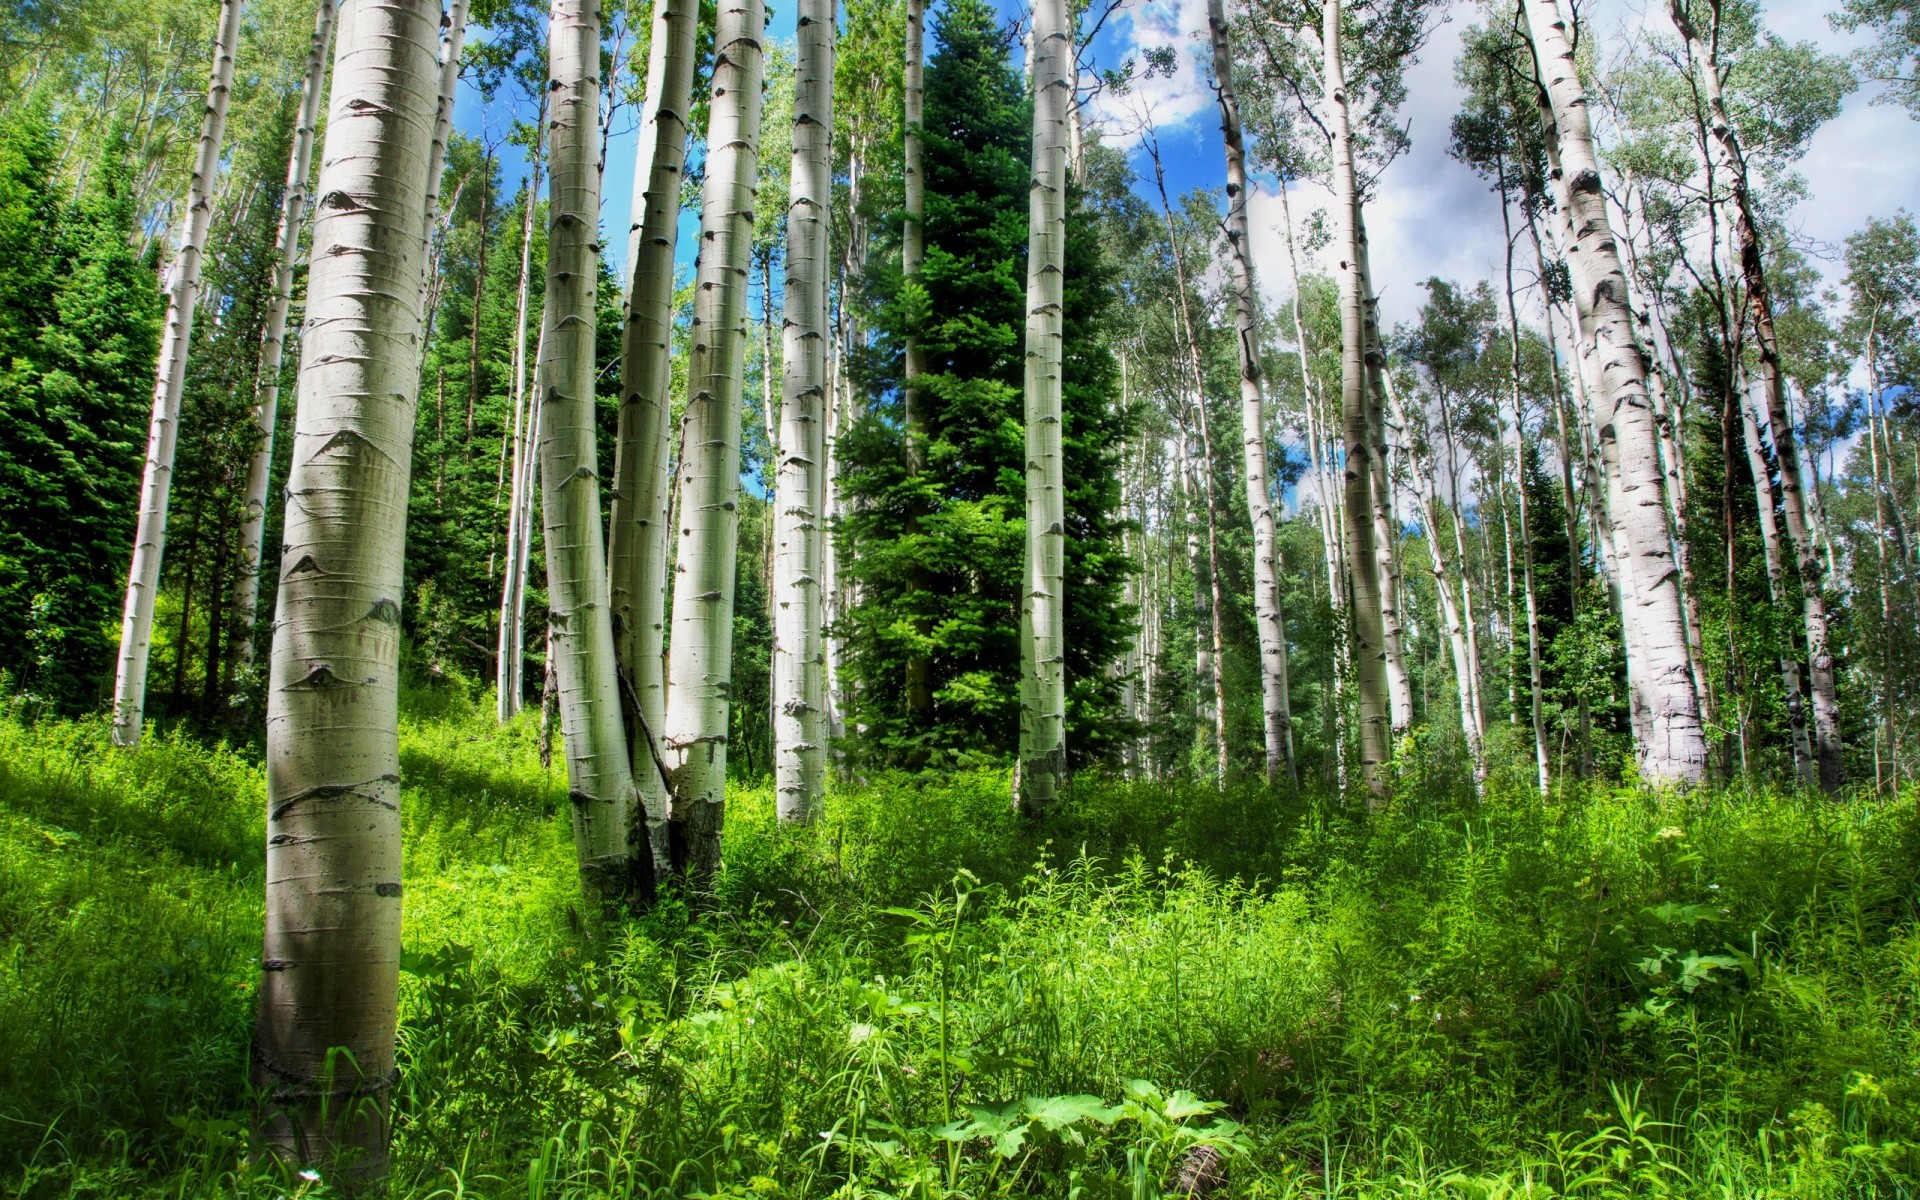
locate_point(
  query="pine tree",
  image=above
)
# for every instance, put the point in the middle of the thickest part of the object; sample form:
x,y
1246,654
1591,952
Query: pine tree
x,y
939,549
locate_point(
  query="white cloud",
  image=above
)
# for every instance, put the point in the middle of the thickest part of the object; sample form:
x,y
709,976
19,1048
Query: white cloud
x,y
1170,102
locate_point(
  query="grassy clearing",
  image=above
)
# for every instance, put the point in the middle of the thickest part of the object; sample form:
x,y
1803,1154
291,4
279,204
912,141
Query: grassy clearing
x,y
1613,994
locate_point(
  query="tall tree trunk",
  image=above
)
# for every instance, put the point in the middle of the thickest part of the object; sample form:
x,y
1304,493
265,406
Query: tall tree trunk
x,y
580,627
1463,667
453,31
1804,768
919,677
1043,690
638,540
701,668
1363,563
1216,593
512,647
473,324
1206,711
1654,624
323,1049
799,660
1526,531
1386,520
1813,606
150,537
273,340
1269,616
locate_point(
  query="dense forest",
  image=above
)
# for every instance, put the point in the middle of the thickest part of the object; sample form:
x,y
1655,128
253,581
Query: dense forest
x,y
979,647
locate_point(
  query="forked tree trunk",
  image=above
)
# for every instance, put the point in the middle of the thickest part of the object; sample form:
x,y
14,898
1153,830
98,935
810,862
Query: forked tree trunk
x,y
1653,623
799,659
709,527
1363,564
1269,616
580,627
1043,679
163,435
1813,605
323,1049
638,540
273,340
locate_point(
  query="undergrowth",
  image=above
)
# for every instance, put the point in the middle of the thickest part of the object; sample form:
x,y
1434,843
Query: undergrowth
x,y
1612,993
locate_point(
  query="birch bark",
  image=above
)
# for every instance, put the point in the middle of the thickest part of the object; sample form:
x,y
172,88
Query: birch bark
x,y
150,536
1363,564
1813,605
695,732
799,661
1654,623
1043,699
324,1043
510,659
580,626
637,550
1269,616
273,340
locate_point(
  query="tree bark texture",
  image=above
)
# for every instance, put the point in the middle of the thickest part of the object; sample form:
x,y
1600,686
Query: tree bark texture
x,y
709,527
1043,691
323,1047
273,339
1653,620
163,436
799,654
1269,616
580,626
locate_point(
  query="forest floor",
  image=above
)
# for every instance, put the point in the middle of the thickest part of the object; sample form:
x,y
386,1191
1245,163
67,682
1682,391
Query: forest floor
x,y
1611,993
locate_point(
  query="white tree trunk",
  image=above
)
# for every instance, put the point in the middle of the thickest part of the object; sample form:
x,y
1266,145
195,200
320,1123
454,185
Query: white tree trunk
x,y
1269,616
150,536
273,340
331,956
1804,767
1043,690
638,540
511,653
1363,563
799,658
695,732
1793,491
1654,623
579,623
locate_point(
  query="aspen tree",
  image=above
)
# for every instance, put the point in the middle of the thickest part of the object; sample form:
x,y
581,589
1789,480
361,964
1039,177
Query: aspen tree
x,y
510,658
1654,623
799,656
1043,690
1386,520
1793,492
695,732
156,483
273,340
579,625
453,31
1804,767
1363,564
1269,616
638,538
919,678
1534,676
324,1044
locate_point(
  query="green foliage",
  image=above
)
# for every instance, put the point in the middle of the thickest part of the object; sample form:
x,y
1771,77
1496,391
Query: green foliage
x,y
79,331
1608,993
937,552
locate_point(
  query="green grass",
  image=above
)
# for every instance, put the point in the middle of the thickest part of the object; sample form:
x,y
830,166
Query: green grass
x,y
1615,993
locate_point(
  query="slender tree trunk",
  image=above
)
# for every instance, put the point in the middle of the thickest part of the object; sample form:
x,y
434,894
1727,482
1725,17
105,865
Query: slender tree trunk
x,y
1463,667
1804,767
512,648
638,540
919,678
1269,616
1386,520
697,713
1216,594
579,625
453,31
799,659
1205,710
1526,531
473,331
266,396
1363,563
1813,610
1655,623
1043,691
323,1049
150,537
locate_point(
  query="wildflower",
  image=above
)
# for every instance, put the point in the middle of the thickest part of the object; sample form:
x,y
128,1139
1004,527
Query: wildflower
x,y
310,1175
1669,833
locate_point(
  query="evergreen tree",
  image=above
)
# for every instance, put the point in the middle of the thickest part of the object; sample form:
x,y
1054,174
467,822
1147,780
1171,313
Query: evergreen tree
x,y
936,551
79,329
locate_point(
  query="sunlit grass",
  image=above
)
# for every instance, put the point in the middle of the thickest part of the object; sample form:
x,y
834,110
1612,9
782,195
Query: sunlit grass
x,y
1613,993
